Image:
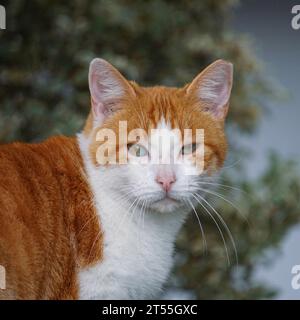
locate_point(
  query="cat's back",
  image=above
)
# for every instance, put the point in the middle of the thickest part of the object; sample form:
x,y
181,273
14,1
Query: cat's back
x,y
34,228
31,173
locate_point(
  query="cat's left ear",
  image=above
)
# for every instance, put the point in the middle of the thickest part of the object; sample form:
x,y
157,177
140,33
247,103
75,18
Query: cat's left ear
x,y
212,88
107,87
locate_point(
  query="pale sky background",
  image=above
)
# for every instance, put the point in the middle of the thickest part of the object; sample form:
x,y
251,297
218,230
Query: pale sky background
x,y
268,22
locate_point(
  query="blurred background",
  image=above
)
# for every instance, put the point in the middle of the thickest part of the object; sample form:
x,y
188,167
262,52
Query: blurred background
x,y
44,57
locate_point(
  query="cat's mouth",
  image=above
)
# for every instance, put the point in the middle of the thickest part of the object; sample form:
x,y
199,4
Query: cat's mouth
x,y
161,201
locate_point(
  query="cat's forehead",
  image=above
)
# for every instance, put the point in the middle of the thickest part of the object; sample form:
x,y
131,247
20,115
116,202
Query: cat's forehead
x,y
162,107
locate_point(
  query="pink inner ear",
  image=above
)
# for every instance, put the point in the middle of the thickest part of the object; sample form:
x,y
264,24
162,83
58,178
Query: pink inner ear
x,y
98,111
221,100
97,88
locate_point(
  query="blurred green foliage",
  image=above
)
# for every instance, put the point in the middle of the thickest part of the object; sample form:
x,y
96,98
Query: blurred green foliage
x,y
44,57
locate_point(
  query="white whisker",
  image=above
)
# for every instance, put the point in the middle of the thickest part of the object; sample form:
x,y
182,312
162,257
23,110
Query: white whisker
x,y
200,225
216,223
224,224
226,200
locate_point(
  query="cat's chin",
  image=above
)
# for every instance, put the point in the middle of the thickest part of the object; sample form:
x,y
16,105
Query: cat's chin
x,y
166,205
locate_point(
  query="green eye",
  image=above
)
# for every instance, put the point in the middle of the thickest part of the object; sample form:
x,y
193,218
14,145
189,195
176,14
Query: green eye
x,y
189,148
137,150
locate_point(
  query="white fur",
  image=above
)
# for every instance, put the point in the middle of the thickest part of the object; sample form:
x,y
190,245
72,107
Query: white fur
x,y
138,247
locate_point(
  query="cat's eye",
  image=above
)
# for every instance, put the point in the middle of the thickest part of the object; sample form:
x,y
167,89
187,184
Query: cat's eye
x,y
137,150
189,148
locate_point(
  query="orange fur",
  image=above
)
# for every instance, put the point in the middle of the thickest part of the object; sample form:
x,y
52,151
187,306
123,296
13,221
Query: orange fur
x,y
45,203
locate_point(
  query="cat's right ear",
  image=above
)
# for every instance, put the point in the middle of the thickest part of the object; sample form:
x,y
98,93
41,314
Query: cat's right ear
x,y
107,87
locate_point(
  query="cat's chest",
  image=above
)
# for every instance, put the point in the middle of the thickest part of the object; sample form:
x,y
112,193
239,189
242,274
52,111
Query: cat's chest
x,y
137,255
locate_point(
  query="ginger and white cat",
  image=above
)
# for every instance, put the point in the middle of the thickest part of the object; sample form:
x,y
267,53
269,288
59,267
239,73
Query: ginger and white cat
x,y
74,228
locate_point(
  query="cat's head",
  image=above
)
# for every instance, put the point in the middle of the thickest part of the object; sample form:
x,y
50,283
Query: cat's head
x,y
157,146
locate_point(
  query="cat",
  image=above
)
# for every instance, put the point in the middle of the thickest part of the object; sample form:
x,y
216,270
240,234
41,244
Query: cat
x,y
72,227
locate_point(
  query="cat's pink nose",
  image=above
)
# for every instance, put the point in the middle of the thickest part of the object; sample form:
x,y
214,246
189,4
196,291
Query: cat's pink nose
x,y
166,181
